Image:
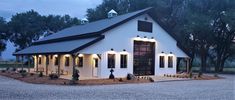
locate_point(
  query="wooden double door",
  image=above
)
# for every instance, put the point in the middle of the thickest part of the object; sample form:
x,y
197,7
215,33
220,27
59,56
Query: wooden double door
x,y
144,58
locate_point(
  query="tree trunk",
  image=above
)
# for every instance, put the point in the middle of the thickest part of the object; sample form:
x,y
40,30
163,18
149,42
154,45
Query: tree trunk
x,y
221,68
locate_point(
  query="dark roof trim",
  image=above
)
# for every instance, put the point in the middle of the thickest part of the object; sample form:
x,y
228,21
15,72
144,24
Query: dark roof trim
x,y
88,44
82,36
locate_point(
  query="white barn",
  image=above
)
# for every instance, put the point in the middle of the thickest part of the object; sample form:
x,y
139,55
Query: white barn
x,y
131,43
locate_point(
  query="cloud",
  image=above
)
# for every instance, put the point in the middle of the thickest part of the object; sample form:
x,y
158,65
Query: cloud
x,y
75,8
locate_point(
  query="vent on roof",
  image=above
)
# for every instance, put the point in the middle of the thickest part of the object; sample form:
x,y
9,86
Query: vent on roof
x,y
112,13
84,21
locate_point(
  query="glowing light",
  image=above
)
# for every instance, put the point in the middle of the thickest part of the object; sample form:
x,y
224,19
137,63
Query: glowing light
x,y
111,52
67,55
55,55
94,56
80,55
40,56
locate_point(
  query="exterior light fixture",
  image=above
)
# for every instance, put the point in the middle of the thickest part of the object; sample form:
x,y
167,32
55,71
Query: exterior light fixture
x,y
124,49
111,49
162,52
145,36
40,56
56,55
170,52
152,37
137,36
67,55
80,55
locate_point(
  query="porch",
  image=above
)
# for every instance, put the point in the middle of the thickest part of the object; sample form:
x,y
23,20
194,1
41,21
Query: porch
x,y
64,64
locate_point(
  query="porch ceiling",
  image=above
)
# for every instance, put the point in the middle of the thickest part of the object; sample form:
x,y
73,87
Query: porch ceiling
x,y
59,47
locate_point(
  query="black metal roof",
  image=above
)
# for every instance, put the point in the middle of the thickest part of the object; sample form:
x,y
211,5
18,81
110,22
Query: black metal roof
x,y
80,33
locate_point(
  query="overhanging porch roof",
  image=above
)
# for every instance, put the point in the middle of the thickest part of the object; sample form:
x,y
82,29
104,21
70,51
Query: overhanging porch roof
x,y
64,47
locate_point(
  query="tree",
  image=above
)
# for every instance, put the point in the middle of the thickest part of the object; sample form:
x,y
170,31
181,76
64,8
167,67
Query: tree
x,y
55,23
3,34
25,28
224,34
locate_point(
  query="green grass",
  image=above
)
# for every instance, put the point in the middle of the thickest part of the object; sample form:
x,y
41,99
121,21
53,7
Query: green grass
x,y
13,65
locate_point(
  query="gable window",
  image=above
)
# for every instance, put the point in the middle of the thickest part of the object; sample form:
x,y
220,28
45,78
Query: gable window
x,y
145,26
66,61
56,61
170,61
80,61
111,60
40,60
96,62
162,62
123,61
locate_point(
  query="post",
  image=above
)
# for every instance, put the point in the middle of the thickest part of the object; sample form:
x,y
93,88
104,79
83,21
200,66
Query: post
x,y
28,64
37,63
22,62
187,65
16,63
47,62
73,59
58,65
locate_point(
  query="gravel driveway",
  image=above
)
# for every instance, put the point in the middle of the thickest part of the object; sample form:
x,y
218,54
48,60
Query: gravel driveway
x,y
222,89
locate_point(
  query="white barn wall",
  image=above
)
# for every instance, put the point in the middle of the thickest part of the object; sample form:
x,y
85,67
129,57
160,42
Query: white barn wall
x,y
121,38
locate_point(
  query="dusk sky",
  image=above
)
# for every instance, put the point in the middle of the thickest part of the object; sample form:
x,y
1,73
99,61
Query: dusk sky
x,y
74,8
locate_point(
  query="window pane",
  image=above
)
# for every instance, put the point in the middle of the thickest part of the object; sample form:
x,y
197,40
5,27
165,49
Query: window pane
x,y
123,61
111,60
162,62
40,60
56,61
170,62
66,61
80,63
96,62
145,26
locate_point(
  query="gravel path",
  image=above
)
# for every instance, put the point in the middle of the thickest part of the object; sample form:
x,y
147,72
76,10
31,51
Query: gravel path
x,y
222,89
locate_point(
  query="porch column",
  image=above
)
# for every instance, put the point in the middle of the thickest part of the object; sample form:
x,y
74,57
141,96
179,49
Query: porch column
x,y
37,63
28,63
47,62
73,60
16,64
187,65
59,65
22,62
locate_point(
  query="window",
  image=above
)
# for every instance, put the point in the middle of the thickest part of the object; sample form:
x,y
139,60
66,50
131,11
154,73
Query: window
x,y
111,60
96,62
170,61
66,61
40,60
56,61
162,62
80,61
145,26
123,61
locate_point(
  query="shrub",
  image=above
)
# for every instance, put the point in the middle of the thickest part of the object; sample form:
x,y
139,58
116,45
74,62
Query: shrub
x,y
14,69
7,68
24,74
40,74
22,71
130,77
53,76
3,71
75,75
120,80
31,74
191,75
151,79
